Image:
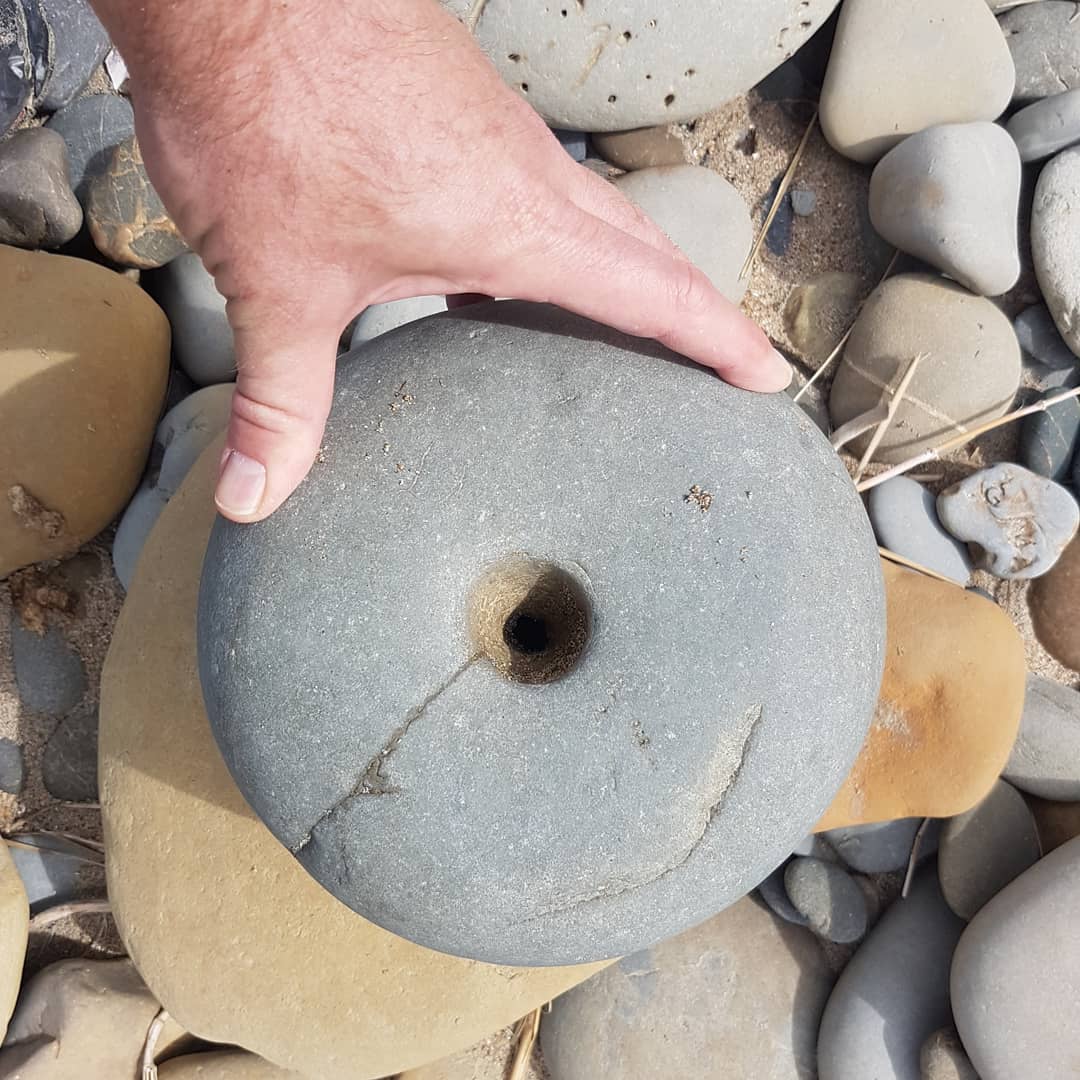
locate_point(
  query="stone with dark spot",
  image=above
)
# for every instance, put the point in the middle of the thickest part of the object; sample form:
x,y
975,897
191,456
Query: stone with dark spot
x,y
69,764
38,209
673,760
80,45
127,219
49,675
92,126
1044,40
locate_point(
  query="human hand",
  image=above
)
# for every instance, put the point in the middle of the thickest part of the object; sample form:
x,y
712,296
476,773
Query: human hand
x,y
323,157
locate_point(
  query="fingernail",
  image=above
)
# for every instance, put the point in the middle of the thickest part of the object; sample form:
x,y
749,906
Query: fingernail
x,y
784,372
241,485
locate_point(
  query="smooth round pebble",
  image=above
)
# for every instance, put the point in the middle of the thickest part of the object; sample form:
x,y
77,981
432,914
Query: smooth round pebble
x,y
883,847
380,318
685,725
774,894
819,311
1048,438
11,766
80,45
943,1057
1055,224
1044,40
49,675
1018,521
702,214
904,516
1041,340
1016,975
1047,126
986,848
1053,601
950,195
92,126
1045,760
69,763
38,209
643,148
830,900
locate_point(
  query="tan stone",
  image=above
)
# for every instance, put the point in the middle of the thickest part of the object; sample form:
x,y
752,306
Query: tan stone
x,y
1057,822
84,1020
642,148
84,356
487,1060
949,708
231,934
1054,601
14,927
223,1065
818,313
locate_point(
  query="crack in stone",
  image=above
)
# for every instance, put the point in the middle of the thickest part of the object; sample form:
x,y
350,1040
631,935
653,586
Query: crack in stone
x,y
750,721
372,780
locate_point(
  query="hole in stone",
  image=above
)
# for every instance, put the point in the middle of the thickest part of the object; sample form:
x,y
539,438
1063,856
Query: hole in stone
x,y
651,24
626,35
563,13
612,99
648,76
530,618
669,100
514,57
524,87
690,72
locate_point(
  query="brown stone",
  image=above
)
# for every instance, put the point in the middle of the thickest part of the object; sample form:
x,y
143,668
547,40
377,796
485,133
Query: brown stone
x,y
642,148
949,707
1054,600
1056,822
14,923
236,940
223,1065
127,219
84,357
818,313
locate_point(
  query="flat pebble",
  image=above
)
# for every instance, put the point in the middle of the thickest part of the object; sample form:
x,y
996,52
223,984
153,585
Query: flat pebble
x,y
51,869
1055,224
49,675
950,195
897,67
1019,522
1047,126
881,848
818,312
642,148
943,1057
1045,760
1054,600
1048,438
895,991
774,893
379,318
11,766
69,764
92,126
1016,976
1044,40
80,45
803,201
904,516
38,209
984,849
1041,340
830,900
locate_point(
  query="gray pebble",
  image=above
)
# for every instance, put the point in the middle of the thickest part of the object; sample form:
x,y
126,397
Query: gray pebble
x,y
984,849
48,674
379,318
80,45
1047,126
92,127
831,901
950,195
814,402
774,893
11,766
1040,339
69,764
1044,40
904,516
1045,759
1019,521
38,209
1055,224
51,874
803,201
883,847
943,1057
1048,439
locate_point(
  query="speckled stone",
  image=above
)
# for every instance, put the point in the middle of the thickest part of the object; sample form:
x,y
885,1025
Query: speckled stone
x,y
1018,521
1045,760
92,126
1055,224
1047,126
686,769
831,901
1044,40
49,675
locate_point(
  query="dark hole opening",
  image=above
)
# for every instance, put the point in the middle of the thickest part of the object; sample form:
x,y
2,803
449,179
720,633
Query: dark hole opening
x,y
525,633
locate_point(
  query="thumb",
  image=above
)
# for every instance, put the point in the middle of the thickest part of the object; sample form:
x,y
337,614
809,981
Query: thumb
x,y
284,385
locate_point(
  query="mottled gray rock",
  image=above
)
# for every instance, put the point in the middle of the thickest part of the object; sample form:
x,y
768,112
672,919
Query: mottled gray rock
x,y
1045,760
684,1008
894,992
458,437
950,196
830,900
183,434
1047,126
643,148
969,374
611,65
1048,439
897,67
1055,224
69,764
38,209
984,849
1019,522
52,872
904,516
91,127
80,45
1044,40
803,201
943,1057
49,675
774,893
202,338
11,766
702,214
881,848
379,318
1041,340
1015,975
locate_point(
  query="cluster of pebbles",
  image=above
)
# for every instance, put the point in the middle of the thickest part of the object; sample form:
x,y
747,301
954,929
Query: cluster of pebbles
x,y
732,794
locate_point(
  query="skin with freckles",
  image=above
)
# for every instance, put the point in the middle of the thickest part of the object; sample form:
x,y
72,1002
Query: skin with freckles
x,y
327,155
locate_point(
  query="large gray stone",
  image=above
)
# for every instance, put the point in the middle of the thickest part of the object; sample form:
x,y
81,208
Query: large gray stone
x,y
1055,224
894,992
610,65
685,1007
92,127
898,66
81,44
505,486
1016,975
38,209
1044,40
1045,760
1047,126
883,847
201,336
49,675
702,214
950,195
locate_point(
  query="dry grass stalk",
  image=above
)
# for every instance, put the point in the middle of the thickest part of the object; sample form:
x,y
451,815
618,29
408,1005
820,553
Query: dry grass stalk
x,y
893,405
149,1069
781,191
856,426
885,553
528,1027
63,911
935,453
